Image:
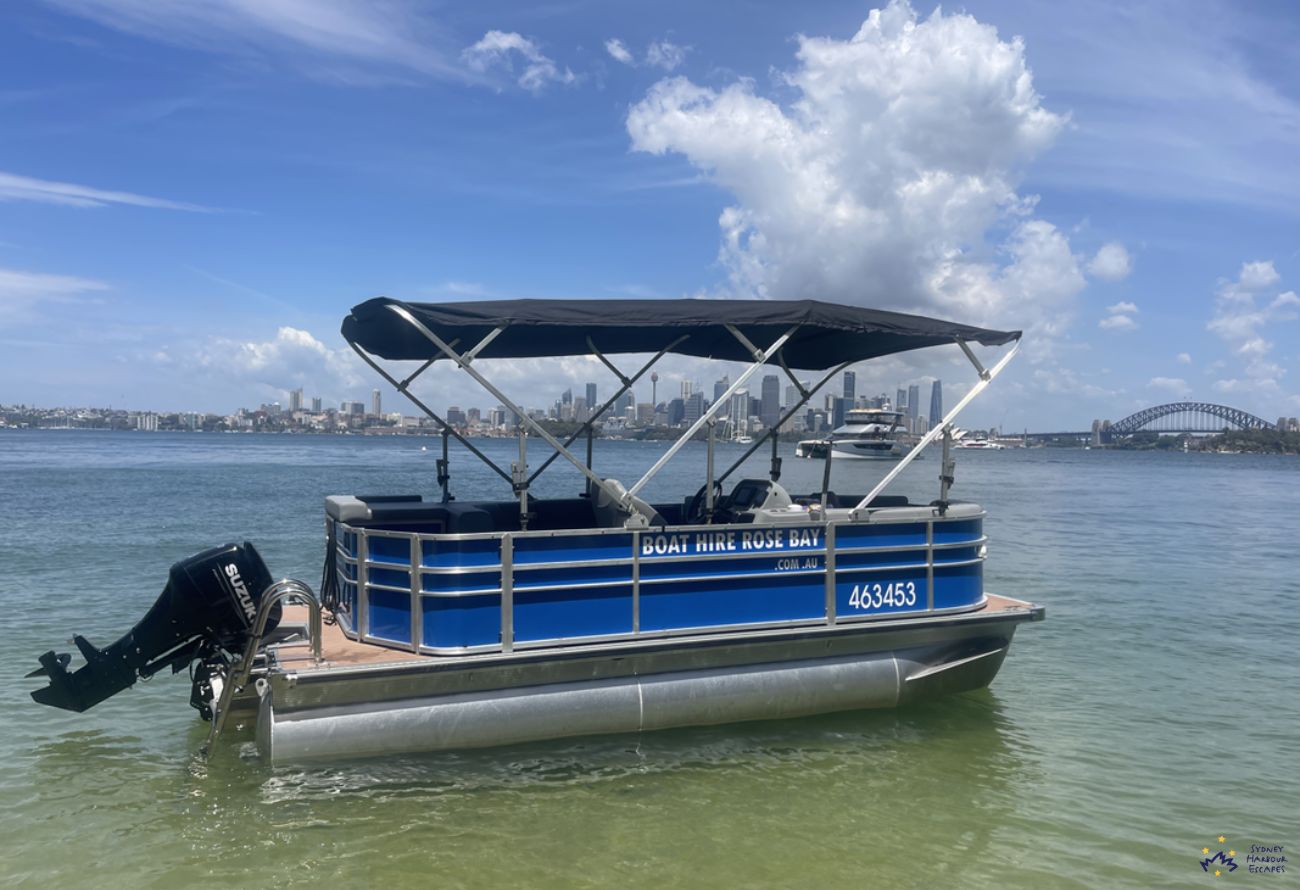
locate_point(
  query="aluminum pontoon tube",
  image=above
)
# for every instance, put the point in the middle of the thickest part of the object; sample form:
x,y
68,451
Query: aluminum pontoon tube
x,y
629,704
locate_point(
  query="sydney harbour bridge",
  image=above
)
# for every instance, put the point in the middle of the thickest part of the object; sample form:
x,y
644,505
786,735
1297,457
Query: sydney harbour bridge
x,y
1175,418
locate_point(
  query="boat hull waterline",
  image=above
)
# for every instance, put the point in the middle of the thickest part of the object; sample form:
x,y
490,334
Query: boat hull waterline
x,y
344,711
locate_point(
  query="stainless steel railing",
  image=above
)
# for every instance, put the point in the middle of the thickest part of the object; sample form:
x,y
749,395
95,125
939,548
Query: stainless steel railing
x,y
237,678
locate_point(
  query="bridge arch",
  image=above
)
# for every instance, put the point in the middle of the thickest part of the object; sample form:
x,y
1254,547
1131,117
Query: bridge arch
x,y
1232,416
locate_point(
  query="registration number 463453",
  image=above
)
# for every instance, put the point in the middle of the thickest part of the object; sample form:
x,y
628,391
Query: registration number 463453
x,y
875,595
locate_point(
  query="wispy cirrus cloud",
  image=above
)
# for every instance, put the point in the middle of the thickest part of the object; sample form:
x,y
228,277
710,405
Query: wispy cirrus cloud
x,y
14,187
21,291
317,38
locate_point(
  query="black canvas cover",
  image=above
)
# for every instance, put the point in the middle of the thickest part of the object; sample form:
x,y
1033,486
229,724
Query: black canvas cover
x,y
827,335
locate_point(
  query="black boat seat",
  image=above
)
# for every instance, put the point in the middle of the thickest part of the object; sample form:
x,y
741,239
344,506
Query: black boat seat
x,y
408,513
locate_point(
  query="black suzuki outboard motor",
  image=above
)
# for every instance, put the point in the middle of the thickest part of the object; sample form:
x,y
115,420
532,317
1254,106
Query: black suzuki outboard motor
x,y
207,609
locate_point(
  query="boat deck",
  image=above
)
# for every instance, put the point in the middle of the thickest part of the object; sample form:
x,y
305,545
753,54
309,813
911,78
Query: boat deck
x,y
338,650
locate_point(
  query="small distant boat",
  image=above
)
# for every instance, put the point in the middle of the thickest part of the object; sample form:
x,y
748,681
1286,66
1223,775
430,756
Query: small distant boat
x,y
867,434
979,444
459,623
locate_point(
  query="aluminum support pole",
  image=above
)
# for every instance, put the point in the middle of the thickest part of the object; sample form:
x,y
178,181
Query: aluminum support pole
x,y
406,315
402,388
760,358
807,395
986,377
627,384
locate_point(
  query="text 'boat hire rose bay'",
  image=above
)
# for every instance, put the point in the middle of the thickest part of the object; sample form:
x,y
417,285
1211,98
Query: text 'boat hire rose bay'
x,y
465,623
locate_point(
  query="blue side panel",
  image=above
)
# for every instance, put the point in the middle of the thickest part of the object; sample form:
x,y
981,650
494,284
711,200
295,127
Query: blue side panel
x,y
389,577
548,615
445,553
880,558
572,548
894,591
956,586
885,534
450,622
390,615
460,582
526,578
392,551
685,604
956,554
952,531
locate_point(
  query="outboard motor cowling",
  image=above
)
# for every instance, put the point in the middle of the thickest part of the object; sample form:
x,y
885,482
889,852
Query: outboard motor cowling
x,y
209,605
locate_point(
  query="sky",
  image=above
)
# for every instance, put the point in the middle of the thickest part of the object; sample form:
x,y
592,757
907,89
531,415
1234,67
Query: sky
x,y
194,194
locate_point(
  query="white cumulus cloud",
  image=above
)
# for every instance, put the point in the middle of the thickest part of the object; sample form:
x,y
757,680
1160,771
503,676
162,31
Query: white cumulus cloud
x,y
1184,358
619,51
499,49
665,55
293,358
879,183
1175,386
1120,318
1111,262
1240,322
1117,323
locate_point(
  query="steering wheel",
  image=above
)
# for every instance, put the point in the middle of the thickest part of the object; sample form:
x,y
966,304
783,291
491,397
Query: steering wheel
x,y
695,512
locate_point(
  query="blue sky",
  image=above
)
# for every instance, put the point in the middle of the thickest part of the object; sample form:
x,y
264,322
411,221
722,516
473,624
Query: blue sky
x,y
192,195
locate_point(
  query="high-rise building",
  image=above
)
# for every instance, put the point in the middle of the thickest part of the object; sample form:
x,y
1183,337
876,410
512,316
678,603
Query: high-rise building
x,y
566,397
686,390
676,412
900,403
473,415
295,399
374,402
315,404
693,407
455,416
770,407
740,412
913,401
720,388
838,409
936,403
850,386
591,397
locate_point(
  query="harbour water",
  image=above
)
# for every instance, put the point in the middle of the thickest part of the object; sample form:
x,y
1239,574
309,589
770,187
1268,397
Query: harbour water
x,y
1156,709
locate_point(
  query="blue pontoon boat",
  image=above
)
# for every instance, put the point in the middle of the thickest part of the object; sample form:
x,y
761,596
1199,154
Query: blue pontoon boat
x,y
454,623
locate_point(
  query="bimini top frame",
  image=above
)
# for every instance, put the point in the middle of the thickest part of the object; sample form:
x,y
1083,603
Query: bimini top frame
x,y
806,334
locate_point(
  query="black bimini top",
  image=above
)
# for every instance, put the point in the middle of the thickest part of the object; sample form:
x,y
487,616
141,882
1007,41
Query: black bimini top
x,y
827,334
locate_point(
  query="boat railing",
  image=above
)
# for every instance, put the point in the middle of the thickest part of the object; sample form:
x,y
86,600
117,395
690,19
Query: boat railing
x,y
237,678
456,594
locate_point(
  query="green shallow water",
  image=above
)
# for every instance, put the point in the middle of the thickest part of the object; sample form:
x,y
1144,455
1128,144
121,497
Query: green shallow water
x,y
1155,709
